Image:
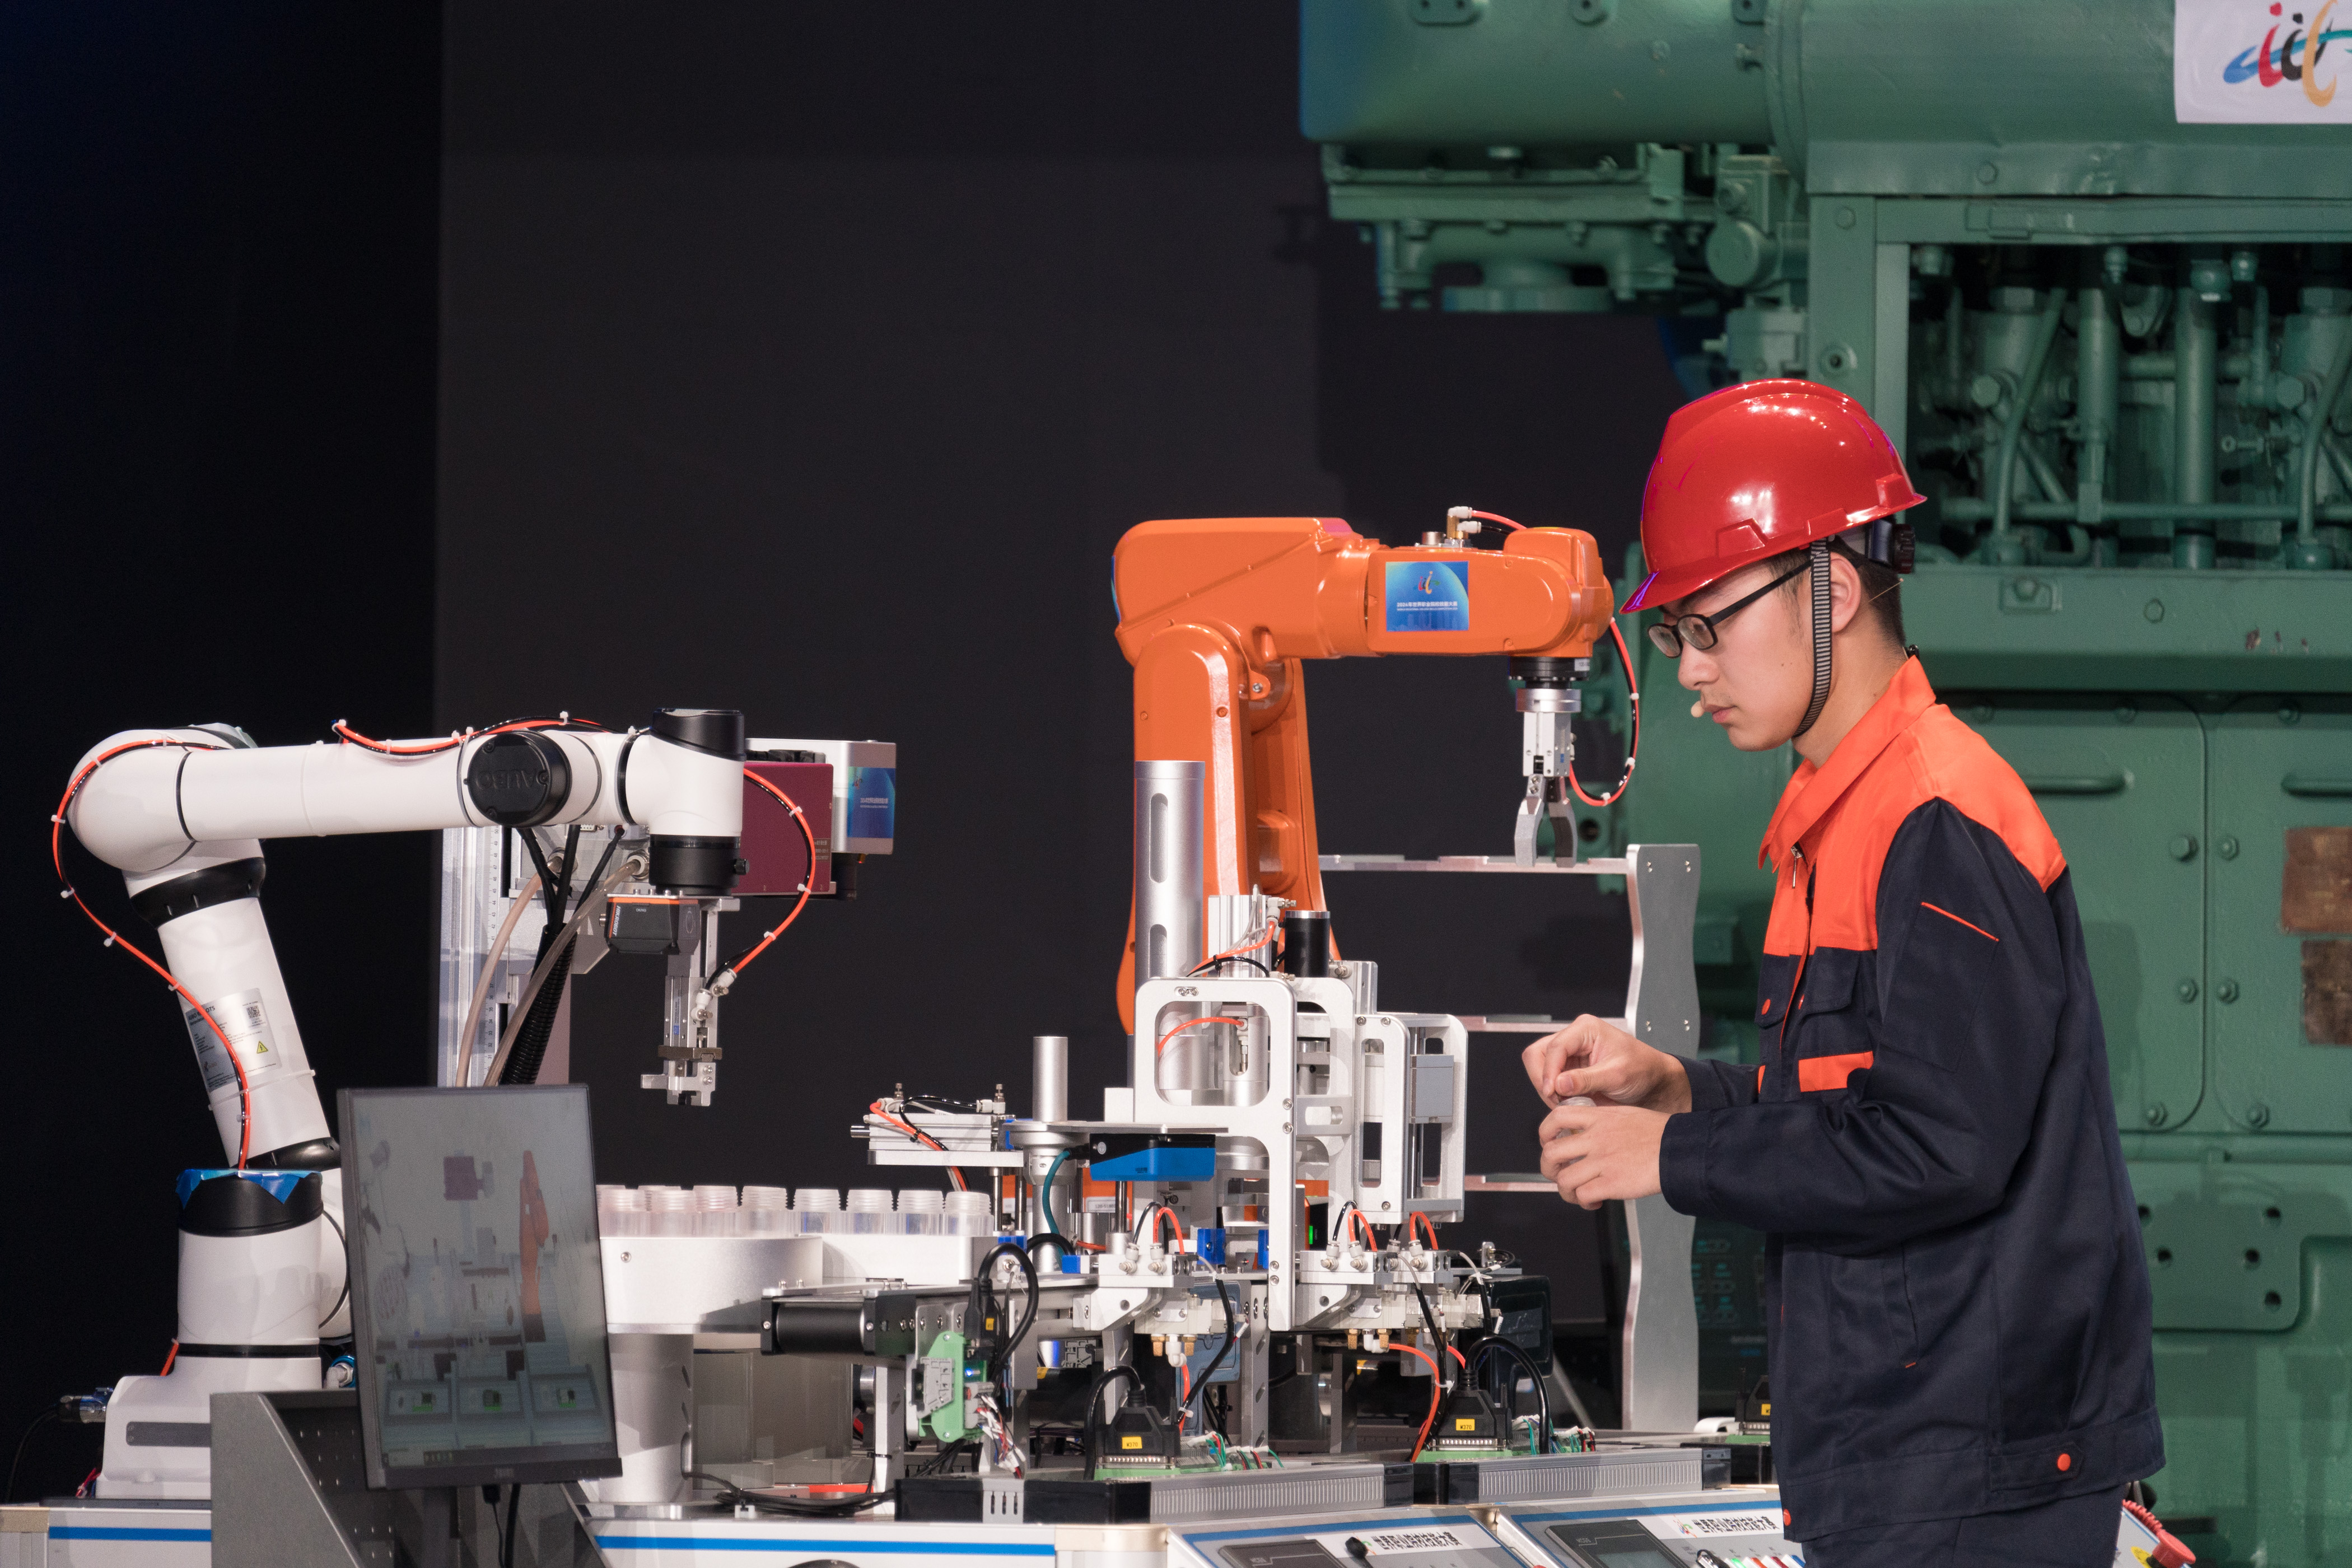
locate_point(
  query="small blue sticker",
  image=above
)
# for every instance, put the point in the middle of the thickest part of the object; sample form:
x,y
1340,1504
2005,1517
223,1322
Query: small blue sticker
x,y
1428,596
873,802
278,1185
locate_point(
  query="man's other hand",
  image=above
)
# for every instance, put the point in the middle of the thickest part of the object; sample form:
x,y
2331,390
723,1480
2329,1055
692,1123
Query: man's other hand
x,y
1595,1152
1600,1062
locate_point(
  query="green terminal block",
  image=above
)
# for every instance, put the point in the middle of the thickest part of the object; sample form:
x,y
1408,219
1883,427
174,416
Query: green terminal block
x,y
945,1376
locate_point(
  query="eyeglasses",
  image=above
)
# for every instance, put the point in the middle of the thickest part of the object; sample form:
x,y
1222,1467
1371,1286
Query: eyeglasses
x,y
1699,631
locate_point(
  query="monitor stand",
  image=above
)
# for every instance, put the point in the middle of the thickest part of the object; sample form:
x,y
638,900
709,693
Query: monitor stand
x,y
289,1490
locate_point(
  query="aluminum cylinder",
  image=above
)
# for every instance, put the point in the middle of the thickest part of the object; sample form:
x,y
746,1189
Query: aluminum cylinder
x,y
1049,1095
1169,833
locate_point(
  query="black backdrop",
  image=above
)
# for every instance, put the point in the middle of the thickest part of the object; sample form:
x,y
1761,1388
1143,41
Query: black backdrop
x,y
808,360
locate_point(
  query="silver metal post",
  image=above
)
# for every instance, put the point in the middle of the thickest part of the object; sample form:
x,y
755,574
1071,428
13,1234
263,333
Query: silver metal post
x,y
1049,1096
1168,864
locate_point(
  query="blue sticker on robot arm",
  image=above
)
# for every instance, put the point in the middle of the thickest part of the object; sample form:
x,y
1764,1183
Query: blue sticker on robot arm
x,y
1427,595
873,802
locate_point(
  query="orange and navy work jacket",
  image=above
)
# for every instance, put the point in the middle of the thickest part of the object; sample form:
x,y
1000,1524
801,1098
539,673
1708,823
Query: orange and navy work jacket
x,y
1956,1295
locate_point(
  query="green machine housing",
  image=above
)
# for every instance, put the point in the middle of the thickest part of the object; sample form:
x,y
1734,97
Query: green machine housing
x,y
2113,348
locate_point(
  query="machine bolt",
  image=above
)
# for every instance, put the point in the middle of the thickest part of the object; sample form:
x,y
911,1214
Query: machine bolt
x,y
2156,1115
1845,217
2289,713
1988,173
2186,991
2226,991
2125,712
2258,1114
2154,610
2183,847
2026,587
2226,848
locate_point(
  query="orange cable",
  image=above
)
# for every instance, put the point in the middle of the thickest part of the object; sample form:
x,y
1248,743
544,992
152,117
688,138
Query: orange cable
x,y
738,965
1434,1391
1273,934
1428,1226
1497,517
115,939
919,1136
386,748
1634,746
168,1357
1194,1024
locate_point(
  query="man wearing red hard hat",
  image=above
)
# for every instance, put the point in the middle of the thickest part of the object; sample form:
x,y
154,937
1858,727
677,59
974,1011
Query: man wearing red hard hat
x,y
1957,1305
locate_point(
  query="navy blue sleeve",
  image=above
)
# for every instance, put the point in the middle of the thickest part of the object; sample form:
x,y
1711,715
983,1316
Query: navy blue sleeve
x,y
1715,1084
1970,985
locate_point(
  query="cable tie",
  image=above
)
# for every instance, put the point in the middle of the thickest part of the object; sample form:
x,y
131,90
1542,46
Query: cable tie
x,y
67,894
109,941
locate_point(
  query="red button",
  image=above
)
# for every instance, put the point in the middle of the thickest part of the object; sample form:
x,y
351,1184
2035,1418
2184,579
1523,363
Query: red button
x,y
2065,1461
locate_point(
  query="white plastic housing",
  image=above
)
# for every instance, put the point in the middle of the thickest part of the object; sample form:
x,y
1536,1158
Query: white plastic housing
x,y
223,955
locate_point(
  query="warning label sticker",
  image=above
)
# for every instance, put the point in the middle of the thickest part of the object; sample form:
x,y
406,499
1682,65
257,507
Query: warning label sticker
x,y
247,1023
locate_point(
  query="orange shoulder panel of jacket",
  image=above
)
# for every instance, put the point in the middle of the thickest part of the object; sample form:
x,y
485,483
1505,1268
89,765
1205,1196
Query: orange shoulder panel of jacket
x,y
1937,757
1955,763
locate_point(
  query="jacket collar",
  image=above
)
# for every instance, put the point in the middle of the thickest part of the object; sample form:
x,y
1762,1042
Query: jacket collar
x,y
1813,790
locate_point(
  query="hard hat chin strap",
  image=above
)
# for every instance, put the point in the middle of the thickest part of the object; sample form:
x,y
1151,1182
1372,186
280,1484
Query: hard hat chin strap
x,y
1819,554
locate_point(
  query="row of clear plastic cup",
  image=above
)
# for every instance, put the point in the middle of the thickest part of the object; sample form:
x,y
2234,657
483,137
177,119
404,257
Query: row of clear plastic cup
x,y
772,1211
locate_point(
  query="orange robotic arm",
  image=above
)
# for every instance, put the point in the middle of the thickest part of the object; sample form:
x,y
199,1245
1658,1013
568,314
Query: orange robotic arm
x,y
1217,614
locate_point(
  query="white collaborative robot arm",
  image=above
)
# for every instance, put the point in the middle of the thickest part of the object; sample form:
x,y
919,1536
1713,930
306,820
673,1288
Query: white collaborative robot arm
x,y
181,814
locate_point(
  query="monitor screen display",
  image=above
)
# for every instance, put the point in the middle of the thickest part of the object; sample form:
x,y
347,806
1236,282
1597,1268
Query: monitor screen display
x,y
477,1286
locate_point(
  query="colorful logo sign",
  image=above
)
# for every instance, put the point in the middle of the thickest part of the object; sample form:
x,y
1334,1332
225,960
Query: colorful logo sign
x,y
1427,595
2246,62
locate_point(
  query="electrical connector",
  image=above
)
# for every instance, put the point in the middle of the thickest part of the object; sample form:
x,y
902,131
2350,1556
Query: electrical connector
x,y
88,1409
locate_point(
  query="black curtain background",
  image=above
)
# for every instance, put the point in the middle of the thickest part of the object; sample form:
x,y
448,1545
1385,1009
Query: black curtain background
x,y
218,244
809,359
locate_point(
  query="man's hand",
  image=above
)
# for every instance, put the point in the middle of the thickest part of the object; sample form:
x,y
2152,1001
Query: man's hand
x,y
1595,1152
1601,1061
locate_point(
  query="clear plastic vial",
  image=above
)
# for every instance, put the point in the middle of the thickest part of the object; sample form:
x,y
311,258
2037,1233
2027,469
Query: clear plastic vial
x,y
969,1214
920,1211
670,1211
869,1211
767,1211
820,1211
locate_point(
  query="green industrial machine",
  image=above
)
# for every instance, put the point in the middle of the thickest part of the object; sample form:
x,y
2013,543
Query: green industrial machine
x,y
2109,325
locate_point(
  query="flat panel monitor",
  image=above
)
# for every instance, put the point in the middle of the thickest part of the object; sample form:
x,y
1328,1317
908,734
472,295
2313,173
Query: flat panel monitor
x,y
477,1286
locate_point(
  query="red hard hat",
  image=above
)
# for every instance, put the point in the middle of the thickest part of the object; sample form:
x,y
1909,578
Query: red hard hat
x,y
1755,469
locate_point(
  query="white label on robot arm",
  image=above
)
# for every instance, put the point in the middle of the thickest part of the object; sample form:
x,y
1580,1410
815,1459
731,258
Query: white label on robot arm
x,y
2242,62
247,1024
